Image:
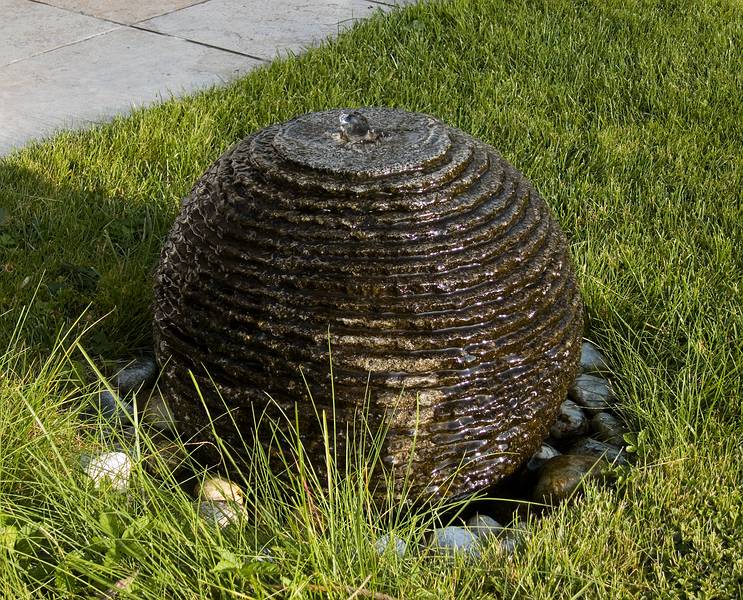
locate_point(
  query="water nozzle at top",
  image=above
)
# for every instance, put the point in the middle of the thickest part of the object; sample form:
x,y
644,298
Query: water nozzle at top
x,y
355,128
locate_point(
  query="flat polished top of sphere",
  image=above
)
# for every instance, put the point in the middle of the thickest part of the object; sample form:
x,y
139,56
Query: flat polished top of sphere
x,y
377,141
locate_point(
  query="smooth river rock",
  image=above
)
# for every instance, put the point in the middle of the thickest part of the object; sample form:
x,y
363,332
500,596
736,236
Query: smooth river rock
x,y
115,468
591,359
595,448
515,538
607,428
571,421
484,526
157,413
592,392
454,539
141,372
219,514
561,476
219,489
115,410
540,457
391,543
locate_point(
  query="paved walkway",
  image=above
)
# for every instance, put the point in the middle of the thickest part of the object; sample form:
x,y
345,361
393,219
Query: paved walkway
x,y
70,63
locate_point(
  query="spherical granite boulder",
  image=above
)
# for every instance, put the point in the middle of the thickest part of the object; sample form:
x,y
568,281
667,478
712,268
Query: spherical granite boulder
x,y
428,265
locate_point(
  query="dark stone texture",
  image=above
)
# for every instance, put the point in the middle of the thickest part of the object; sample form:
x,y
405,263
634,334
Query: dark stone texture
x,y
430,264
141,373
592,392
561,476
608,428
591,359
591,447
571,421
541,456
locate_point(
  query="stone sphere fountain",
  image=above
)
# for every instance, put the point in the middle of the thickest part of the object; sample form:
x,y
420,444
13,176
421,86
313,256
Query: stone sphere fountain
x,y
427,264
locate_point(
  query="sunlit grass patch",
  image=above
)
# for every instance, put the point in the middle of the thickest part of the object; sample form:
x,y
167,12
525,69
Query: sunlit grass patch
x,y
627,118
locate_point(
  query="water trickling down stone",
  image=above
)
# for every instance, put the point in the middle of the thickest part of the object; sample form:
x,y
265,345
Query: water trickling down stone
x,y
431,266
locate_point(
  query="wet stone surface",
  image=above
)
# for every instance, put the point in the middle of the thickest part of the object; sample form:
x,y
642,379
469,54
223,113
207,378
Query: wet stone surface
x,y
591,447
383,234
608,428
560,477
592,392
592,360
552,475
541,456
571,422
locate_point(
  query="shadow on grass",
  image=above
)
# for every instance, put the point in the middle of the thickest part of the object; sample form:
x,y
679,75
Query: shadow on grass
x,y
67,251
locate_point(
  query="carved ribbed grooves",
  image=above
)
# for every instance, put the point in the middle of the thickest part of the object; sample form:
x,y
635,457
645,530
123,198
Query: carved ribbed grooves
x,y
443,283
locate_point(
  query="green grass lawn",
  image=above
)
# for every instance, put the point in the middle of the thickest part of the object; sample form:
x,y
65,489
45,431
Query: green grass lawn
x,y
626,115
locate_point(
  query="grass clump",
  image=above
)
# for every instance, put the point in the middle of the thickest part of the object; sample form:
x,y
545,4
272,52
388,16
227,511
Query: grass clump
x,y
626,116
302,531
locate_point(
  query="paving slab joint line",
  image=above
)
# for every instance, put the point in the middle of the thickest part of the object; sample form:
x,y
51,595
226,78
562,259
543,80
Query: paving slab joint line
x,y
100,18
379,2
175,10
138,27
72,43
197,42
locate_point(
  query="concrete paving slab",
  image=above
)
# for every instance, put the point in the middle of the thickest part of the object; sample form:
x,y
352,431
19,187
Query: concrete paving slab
x,y
95,79
69,63
29,28
123,11
260,28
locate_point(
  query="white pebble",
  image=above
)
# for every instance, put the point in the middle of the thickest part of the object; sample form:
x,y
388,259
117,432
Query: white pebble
x,y
387,541
219,514
218,489
114,467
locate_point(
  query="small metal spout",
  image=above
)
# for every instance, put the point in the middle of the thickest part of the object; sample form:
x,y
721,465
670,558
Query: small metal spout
x,y
355,128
